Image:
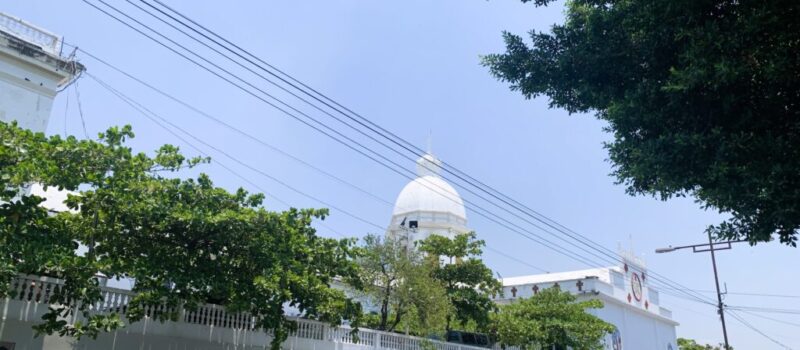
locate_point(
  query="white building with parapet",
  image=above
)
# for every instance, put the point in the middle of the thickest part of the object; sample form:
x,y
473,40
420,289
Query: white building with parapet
x,y
430,205
32,71
630,303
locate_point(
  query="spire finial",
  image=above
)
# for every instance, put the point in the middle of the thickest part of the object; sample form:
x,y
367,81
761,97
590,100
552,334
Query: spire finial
x,y
430,137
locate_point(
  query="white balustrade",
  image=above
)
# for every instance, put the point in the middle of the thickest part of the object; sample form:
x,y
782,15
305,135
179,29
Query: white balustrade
x,y
49,42
35,290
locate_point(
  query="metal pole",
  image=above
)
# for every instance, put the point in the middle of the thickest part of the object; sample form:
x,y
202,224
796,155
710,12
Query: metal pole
x,y
719,294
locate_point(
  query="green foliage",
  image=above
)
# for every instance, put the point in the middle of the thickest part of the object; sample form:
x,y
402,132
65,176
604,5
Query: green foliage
x,y
396,280
184,241
469,283
551,317
701,97
689,344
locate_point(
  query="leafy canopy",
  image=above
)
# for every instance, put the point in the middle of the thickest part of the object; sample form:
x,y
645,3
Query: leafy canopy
x,y
551,318
184,241
397,281
702,97
690,344
468,281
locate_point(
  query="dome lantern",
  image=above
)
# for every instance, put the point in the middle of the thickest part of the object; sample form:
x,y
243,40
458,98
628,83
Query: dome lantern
x,y
428,165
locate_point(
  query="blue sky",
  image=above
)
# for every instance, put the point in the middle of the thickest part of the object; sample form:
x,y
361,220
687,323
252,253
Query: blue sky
x,y
413,68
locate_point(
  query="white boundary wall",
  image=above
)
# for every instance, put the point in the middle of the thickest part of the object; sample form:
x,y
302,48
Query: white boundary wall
x,y
209,327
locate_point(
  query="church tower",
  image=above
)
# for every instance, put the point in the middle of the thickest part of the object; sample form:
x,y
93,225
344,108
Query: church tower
x,y
427,205
31,72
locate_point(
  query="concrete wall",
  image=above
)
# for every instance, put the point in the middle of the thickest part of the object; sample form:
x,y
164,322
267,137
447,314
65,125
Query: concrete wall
x,y
27,90
639,330
132,338
207,327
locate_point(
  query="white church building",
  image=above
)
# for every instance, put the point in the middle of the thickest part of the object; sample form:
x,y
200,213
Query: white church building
x,y
32,70
429,205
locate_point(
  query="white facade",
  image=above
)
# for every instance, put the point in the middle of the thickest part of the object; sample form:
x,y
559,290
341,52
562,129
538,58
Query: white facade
x,y
629,303
428,205
31,72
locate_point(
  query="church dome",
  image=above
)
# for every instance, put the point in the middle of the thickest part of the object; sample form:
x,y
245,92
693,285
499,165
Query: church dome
x,y
429,193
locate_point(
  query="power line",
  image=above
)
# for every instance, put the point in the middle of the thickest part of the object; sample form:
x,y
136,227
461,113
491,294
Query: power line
x,y
137,106
511,257
369,125
558,227
476,208
80,110
364,122
765,309
615,259
770,318
146,111
350,140
767,295
231,127
754,329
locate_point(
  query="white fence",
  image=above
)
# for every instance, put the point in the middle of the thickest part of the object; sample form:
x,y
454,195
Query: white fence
x,y
209,324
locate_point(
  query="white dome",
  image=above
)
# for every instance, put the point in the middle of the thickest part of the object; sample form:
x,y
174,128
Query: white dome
x,y
429,192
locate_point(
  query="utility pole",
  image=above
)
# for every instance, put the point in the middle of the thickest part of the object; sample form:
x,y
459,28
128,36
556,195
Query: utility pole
x,y
720,305
710,247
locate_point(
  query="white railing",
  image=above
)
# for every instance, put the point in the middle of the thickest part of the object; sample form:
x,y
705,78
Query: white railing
x,y
49,42
38,291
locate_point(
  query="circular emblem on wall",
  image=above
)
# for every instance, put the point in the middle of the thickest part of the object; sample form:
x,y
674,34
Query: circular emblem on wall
x,y
636,286
616,340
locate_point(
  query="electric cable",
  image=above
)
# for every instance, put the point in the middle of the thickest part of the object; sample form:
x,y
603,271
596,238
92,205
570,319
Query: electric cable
x,y
372,126
256,88
145,111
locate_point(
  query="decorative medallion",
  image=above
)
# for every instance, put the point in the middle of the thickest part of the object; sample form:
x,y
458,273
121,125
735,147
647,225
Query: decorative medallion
x,y
616,340
636,286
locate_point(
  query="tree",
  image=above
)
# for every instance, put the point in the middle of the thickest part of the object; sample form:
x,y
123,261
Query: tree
x,y
702,98
689,344
467,280
398,283
184,241
551,318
